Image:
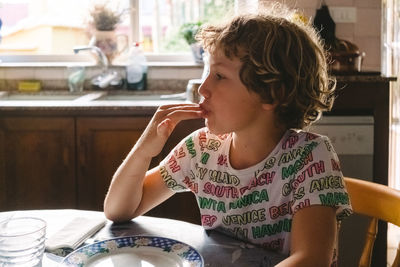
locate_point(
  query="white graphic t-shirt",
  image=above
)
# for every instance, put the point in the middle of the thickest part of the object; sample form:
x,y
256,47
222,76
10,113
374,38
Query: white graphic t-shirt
x,y
257,204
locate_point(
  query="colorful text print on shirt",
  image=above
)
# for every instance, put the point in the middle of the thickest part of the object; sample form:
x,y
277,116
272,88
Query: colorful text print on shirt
x,y
254,197
310,136
191,184
287,208
333,182
210,144
280,226
179,153
334,199
169,181
227,191
173,164
204,157
216,176
262,179
305,158
252,216
335,165
190,146
202,140
208,220
315,168
290,141
222,160
291,155
211,204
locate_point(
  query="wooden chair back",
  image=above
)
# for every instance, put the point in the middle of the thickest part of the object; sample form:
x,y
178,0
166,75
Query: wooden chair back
x,y
379,202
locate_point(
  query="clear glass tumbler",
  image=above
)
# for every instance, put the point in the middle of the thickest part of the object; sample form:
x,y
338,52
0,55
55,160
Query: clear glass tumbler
x,y
76,78
22,241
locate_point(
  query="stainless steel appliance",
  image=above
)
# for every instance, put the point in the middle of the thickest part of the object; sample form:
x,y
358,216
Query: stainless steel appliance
x,y
353,140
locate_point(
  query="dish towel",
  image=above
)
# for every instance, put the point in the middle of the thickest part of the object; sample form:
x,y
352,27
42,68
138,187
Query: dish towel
x,y
73,235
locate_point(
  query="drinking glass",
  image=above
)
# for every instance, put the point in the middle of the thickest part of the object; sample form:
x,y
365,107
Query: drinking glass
x,y
76,78
22,241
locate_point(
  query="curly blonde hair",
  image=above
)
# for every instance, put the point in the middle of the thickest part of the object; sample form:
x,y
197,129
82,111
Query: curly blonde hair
x,y
283,61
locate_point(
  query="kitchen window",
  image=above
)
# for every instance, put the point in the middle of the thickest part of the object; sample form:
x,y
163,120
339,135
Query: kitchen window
x,y
47,30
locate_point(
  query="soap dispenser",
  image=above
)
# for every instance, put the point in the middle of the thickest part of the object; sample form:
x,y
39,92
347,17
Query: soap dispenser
x,y
136,69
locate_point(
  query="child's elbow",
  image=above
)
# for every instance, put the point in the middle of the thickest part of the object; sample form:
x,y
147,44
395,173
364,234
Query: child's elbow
x,y
299,259
115,215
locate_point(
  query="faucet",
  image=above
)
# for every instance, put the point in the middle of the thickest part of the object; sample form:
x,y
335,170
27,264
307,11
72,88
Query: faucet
x,y
100,55
107,77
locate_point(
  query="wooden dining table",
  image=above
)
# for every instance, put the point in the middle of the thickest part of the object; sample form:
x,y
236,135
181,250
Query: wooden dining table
x,y
217,249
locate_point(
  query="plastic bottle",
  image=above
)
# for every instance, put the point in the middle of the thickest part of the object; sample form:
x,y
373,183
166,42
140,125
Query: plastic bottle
x,y
136,69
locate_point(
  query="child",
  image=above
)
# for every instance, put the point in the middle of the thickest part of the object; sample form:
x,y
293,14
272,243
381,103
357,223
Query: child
x,y
255,174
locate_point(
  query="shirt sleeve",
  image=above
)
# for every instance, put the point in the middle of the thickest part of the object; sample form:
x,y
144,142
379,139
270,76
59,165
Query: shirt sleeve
x,y
176,168
323,182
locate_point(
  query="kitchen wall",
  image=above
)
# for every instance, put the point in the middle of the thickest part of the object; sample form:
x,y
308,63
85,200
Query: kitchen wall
x,y
365,33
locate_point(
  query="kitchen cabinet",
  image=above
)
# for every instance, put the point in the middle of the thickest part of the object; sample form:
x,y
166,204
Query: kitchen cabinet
x,y
102,144
68,162
37,166
62,162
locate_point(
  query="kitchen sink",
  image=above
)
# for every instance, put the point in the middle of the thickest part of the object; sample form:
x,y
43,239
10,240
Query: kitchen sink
x,y
137,97
84,97
128,98
40,96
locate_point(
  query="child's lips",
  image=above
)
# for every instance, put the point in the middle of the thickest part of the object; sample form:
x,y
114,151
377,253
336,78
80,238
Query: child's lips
x,y
204,109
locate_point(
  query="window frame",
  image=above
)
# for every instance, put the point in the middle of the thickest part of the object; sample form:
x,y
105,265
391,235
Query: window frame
x,y
162,58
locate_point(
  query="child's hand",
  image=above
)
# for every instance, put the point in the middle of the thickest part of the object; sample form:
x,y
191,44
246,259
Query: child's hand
x,y
162,124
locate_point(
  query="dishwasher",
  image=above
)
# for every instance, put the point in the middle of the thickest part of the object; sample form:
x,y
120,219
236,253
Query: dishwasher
x,y
353,140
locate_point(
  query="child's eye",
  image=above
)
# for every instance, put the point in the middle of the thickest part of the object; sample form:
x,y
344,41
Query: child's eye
x,y
218,76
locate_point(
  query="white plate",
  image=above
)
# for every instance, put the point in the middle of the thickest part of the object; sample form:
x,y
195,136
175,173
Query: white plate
x,y
145,251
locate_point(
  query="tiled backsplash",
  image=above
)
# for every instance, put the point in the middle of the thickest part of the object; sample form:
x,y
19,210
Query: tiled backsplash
x,y
365,33
168,78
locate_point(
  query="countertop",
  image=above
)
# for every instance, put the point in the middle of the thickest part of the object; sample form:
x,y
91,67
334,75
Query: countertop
x,y
128,107
367,76
86,103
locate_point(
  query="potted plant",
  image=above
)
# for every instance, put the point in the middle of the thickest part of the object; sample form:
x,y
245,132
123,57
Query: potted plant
x,y
104,18
188,31
103,21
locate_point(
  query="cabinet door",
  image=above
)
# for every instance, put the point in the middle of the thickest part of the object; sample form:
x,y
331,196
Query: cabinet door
x,y
37,167
103,143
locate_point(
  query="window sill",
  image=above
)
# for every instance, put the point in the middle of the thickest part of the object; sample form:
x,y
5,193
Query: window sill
x,y
176,64
87,59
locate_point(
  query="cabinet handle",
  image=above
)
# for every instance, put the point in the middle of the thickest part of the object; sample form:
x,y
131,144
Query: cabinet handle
x,y
83,153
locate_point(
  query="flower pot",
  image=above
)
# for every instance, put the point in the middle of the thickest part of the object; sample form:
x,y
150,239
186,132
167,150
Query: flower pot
x,y
110,43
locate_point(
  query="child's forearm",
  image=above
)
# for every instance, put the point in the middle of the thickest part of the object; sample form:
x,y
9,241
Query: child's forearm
x,y
125,192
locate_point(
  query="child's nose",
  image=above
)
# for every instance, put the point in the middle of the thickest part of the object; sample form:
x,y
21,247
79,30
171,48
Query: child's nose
x,y
203,90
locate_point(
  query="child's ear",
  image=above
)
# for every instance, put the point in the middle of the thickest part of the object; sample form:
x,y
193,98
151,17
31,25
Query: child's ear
x,y
270,106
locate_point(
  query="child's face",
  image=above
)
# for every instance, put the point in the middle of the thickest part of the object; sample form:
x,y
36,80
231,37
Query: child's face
x,y
229,106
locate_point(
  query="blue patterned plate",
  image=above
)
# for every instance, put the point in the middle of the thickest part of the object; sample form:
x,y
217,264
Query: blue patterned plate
x,y
135,251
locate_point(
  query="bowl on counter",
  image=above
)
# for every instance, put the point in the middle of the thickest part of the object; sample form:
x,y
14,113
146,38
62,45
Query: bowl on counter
x,y
346,61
